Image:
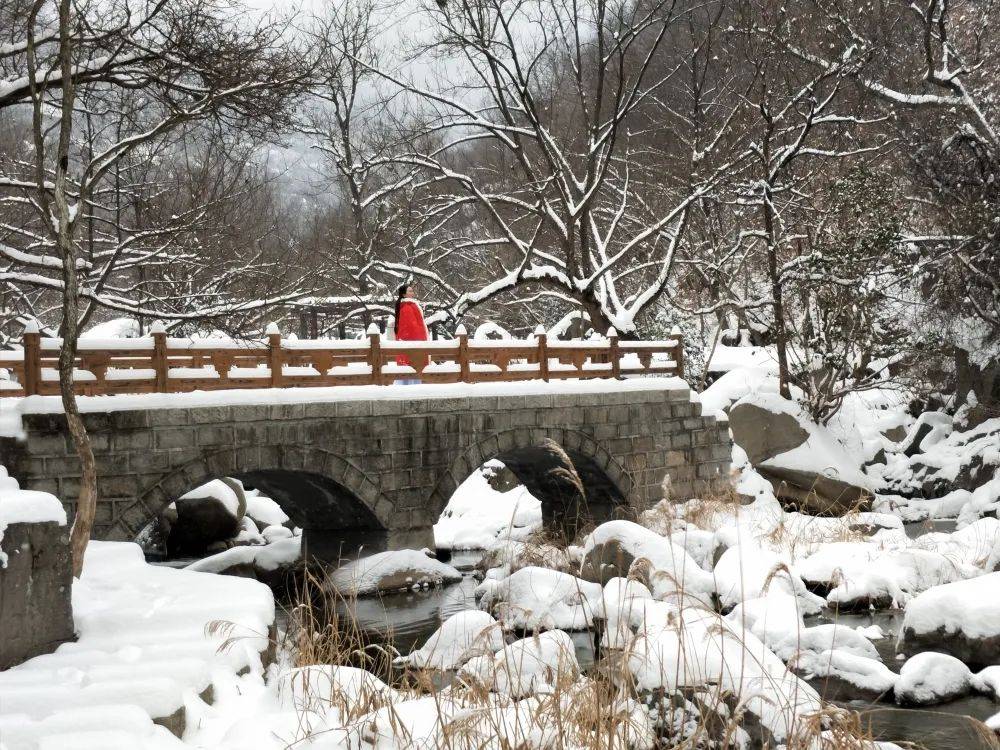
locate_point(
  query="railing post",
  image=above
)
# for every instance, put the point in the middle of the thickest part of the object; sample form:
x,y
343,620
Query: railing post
x,y
375,353
543,353
159,334
274,358
679,350
32,358
614,354
463,353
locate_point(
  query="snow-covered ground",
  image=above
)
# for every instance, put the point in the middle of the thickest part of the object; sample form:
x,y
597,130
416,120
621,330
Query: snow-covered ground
x,y
149,640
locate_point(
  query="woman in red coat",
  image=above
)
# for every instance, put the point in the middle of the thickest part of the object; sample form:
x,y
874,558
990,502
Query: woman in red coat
x,y
409,325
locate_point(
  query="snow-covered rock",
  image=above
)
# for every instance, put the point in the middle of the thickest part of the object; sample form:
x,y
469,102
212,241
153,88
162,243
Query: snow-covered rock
x,y
477,515
536,664
263,510
507,556
535,598
461,637
862,673
747,572
268,563
930,677
391,571
960,618
701,649
946,462
857,576
988,681
612,548
315,692
206,515
804,461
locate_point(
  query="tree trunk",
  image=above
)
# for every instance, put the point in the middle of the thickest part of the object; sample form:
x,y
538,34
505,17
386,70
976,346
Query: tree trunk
x,y
780,334
86,504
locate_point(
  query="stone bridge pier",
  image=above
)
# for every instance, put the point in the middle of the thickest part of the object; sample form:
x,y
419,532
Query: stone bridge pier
x,y
381,465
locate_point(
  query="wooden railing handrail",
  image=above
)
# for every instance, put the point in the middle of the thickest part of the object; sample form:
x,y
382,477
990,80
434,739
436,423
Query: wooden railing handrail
x,y
159,363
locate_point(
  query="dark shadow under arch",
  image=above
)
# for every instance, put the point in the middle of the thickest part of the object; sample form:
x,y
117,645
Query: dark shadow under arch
x,y
606,486
576,493
336,523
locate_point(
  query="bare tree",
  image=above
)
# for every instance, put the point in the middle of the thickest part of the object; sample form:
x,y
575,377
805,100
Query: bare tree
x,y
191,63
537,149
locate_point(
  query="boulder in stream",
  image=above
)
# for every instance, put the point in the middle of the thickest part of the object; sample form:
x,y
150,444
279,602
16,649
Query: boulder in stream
x,y
960,618
206,515
929,677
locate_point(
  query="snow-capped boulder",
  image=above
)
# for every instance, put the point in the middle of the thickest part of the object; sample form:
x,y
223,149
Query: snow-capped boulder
x,y
746,572
463,636
857,576
988,681
802,460
207,514
483,510
929,677
869,677
700,649
317,691
535,598
391,571
959,462
612,548
537,664
510,555
930,428
764,433
271,564
960,618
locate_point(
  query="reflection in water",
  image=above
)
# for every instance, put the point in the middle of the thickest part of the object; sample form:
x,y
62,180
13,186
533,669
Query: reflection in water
x,y
931,525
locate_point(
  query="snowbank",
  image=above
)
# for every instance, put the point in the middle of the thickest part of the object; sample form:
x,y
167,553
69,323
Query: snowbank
x,y
145,642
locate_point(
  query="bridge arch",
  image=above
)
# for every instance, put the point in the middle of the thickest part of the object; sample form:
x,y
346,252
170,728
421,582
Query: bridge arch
x,y
290,475
591,460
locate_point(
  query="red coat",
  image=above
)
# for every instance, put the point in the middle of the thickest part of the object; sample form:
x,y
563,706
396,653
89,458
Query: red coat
x,y
410,327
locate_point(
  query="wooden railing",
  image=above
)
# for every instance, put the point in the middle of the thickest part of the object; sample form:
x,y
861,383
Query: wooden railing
x,y
162,364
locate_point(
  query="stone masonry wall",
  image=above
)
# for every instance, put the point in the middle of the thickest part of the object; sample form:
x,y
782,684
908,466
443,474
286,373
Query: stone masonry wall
x,y
403,459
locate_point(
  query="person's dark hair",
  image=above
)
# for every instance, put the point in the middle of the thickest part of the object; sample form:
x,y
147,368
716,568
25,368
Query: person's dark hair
x,y
400,295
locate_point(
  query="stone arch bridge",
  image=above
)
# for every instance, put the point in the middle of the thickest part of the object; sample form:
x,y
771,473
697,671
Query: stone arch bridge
x,y
388,465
